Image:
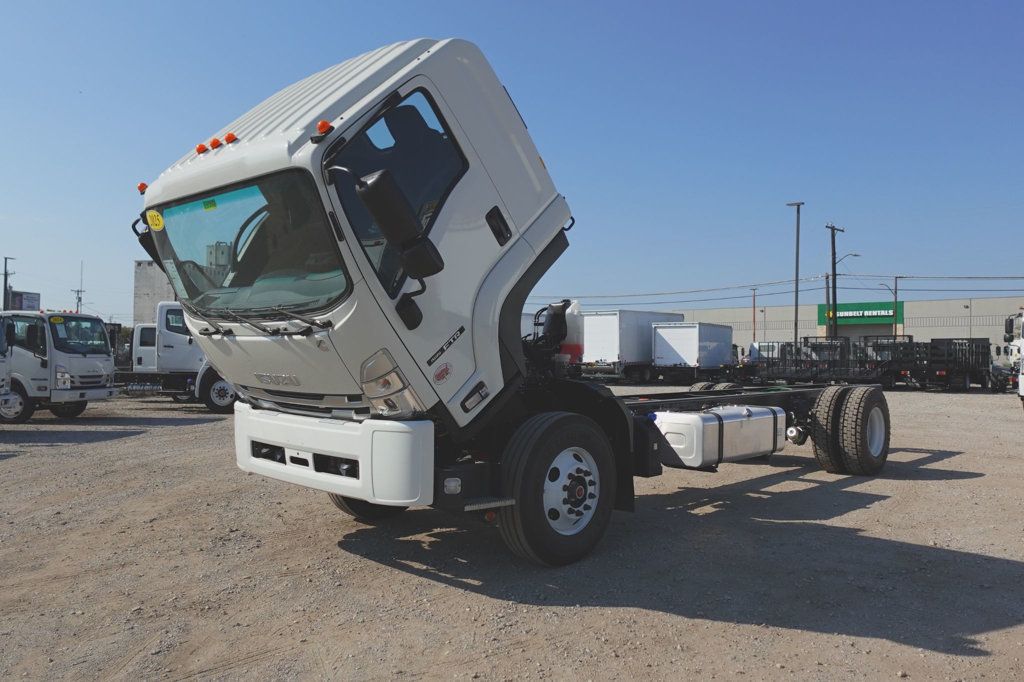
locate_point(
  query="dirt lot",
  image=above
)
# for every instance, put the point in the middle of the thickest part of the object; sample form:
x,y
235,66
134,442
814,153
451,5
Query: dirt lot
x,y
131,546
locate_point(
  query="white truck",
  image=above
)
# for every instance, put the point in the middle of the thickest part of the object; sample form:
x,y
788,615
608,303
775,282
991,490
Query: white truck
x,y
60,361
1010,355
166,355
617,343
696,353
354,254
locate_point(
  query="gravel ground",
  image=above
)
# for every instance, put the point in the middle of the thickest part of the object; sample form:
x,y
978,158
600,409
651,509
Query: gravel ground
x,y
132,547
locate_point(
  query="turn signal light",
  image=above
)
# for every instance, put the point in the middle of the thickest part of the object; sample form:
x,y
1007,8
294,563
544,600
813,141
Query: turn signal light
x,y
324,127
142,187
230,137
214,143
201,148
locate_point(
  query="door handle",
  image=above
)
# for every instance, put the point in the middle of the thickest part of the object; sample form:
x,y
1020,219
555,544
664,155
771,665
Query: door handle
x,y
166,346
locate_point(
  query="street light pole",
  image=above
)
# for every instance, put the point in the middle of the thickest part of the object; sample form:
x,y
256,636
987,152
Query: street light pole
x,y
970,318
753,311
895,302
796,277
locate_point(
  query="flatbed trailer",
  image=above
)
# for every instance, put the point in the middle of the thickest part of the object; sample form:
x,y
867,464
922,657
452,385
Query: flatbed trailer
x,y
956,364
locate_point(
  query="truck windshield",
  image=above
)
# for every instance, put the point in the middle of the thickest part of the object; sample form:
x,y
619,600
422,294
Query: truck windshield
x,y
251,247
84,335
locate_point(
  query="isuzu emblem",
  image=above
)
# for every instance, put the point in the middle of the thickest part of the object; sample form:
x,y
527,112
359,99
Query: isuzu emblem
x,y
277,379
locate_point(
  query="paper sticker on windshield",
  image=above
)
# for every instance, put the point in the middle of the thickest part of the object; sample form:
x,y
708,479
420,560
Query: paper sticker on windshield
x,y
57,319
154,220
209,204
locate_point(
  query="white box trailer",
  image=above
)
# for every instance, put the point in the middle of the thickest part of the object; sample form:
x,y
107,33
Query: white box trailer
x,y
618,342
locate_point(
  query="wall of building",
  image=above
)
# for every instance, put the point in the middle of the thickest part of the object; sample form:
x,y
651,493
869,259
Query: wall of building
x,y
151,286
924,320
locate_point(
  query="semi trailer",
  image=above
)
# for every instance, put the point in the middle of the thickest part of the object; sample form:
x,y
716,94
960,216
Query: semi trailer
x,y
354,255
59,361
166,357
617,343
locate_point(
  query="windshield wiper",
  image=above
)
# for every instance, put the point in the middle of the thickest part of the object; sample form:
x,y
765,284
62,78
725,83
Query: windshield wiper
x,y
322,324
217,329
232,315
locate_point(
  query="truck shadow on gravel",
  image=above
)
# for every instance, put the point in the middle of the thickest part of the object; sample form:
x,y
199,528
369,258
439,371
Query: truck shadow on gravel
x,y
751,552
67,436
148,422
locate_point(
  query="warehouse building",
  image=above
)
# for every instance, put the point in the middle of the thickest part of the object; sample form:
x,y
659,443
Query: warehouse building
x,y
151,287
924,320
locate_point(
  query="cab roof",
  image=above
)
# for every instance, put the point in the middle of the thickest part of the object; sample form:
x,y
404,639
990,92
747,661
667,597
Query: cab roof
x,y
273,131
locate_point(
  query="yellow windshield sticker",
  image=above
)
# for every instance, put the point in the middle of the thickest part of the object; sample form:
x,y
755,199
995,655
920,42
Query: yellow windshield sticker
x,y
155,220
57,319
209,204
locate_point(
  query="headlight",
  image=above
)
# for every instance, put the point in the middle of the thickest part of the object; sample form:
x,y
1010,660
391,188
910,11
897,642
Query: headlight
x,y
385,386
63,378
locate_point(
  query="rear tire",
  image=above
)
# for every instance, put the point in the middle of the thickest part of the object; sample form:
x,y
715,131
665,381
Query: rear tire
x,y
551,455
864,431
367,512
21,409
701,386
825,426
68,410
217,394
727,386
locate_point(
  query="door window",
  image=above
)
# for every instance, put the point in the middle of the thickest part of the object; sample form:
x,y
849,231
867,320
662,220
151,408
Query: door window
x,y
174,321
412,141
30,334
147,337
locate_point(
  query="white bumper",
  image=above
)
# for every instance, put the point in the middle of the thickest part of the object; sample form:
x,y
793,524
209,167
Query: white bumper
x,y
76,394
395,458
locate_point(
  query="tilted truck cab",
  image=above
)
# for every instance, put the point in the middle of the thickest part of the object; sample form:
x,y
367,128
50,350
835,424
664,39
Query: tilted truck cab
x,y
354,254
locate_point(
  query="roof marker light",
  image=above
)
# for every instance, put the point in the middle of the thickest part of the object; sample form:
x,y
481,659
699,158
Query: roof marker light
x,y
142,187
201,148
214,143
230,137
324,127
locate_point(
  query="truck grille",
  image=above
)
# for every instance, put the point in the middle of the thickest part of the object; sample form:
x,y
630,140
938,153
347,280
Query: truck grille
x,y
87,380
308,404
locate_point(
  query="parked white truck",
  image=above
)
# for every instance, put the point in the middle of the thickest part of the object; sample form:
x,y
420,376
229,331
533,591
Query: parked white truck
x,y
5,370
617,343
60,361
696,353
354,255
165,354
1012,355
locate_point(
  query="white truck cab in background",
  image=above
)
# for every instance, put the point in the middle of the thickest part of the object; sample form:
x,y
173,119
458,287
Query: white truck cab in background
x,y
165,353
60,361
1012,355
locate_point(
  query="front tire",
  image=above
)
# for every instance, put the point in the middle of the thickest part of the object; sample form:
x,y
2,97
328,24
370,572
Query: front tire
x,y
559,469
361,510
21,409
218,395
68,410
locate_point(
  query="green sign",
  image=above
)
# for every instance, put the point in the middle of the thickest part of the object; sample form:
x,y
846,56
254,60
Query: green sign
x,y
862,313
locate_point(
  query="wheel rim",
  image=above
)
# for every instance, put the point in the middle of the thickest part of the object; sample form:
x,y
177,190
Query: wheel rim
x,y
571,491
14,410
222,393
876,432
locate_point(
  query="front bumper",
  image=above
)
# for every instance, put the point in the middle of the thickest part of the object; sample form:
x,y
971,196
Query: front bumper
x,y
395,458
74,395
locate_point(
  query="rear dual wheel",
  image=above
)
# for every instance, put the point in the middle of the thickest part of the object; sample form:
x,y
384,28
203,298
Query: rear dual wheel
x,y
701,386
850,429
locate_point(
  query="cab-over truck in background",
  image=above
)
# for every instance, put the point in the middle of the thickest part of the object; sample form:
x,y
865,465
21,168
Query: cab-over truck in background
x,y
354,255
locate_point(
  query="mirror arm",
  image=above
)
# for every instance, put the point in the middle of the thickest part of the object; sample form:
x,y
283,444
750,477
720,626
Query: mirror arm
x,y
356,180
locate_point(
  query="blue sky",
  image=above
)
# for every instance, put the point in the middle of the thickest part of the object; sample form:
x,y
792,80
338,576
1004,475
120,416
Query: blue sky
x,y
678,131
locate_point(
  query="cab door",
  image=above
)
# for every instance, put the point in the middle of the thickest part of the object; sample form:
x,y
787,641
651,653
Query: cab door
x,y
419,140
144,348
176,349
30,365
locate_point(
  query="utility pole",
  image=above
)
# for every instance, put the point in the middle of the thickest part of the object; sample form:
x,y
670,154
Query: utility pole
x,y
828,307
79,291
970,318
835,312
753,311
796,277
7,274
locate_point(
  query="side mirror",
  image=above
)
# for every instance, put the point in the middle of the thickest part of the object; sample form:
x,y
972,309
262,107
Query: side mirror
x,y
390,209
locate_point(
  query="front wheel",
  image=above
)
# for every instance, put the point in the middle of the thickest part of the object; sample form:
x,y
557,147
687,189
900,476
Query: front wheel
x,y
68,410
217,394
559,469
20,408
367,512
